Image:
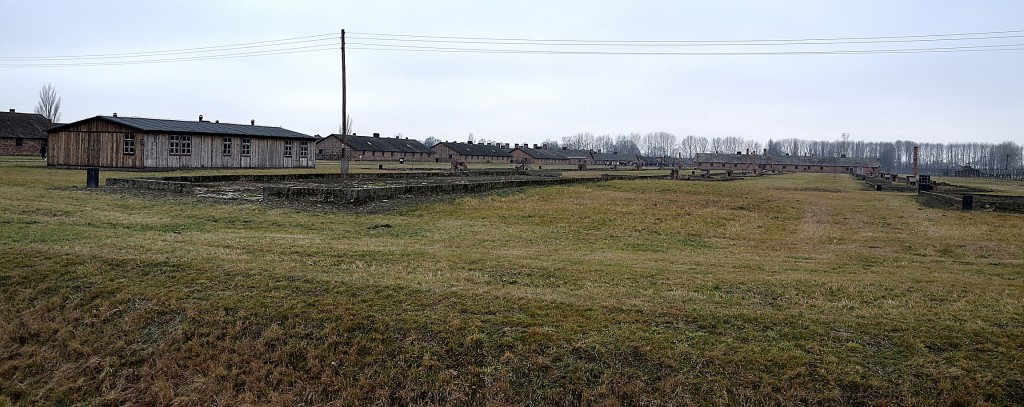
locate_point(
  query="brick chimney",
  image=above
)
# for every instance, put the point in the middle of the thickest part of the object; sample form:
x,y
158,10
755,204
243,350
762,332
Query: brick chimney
x,y
12,110
200,117
252,122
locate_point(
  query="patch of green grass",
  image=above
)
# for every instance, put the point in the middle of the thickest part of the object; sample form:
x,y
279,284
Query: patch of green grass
x,y
795,289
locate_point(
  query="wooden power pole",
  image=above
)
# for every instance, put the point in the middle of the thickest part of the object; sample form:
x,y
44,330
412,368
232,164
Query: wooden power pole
x,y
344,91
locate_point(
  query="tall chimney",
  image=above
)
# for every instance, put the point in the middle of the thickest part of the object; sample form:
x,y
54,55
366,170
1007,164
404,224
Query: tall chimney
x,y
200,117
915,161
252,122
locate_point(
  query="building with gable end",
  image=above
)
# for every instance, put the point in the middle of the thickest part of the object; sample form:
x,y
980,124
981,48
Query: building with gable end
x,y
22,133
473,153
376,148
143,143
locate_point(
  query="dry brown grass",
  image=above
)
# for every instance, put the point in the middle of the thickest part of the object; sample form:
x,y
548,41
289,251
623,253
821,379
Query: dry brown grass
x,y
798,289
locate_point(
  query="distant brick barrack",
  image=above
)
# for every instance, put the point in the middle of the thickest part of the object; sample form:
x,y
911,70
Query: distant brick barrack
x,y
22,133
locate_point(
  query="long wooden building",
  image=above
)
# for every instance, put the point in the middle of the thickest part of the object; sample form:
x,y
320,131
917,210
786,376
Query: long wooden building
x,y
142,143
775,163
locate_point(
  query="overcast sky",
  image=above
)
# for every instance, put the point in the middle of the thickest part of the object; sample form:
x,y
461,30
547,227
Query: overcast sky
x,y
515,97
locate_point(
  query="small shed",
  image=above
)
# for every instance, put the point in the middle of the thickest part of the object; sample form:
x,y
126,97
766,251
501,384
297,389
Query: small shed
x,y
143,143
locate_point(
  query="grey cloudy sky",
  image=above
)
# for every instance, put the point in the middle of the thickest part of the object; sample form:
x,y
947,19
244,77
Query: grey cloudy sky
x,y
944,97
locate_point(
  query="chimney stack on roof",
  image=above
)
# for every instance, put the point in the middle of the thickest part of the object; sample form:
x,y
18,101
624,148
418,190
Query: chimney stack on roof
x,y
252,122
376,135
115,114
200,117
12,110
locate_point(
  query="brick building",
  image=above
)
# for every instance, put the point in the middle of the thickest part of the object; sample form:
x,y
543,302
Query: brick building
x,y
376,148
524,155
473,153
770,163
22,133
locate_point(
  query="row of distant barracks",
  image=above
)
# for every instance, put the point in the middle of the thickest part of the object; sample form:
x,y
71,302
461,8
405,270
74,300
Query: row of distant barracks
x,y
143,143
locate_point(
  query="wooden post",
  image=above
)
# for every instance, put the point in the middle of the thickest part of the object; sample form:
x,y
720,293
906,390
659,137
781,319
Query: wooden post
x,y
344,91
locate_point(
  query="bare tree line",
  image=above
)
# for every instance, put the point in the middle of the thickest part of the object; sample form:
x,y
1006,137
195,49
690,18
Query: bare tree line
x,y
659,144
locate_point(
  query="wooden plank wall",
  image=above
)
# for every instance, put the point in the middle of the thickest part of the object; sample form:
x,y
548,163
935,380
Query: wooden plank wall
x,y
97,143
94,144
207,152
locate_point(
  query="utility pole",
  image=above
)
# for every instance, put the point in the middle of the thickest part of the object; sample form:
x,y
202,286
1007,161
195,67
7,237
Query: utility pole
x,y
344,91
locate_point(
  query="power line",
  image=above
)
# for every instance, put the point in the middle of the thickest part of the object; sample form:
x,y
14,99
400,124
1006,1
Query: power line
x,y
391,47
268,43
489,45
331,47
684,43
699,41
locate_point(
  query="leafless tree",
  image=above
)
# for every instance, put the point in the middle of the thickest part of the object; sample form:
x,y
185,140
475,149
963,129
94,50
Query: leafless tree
x,y
49,103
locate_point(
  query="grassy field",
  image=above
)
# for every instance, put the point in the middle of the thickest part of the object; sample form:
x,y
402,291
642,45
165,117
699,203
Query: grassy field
x,y
782,290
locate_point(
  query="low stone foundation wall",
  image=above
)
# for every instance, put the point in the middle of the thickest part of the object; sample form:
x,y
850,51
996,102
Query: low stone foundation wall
x,y
200,179
989,202
158,185
358,195
939,200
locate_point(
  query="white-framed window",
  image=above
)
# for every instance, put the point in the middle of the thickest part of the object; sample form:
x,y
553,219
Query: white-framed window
x,y
129,143
246,147
287,148
179,144
173,144
303,149
226,146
